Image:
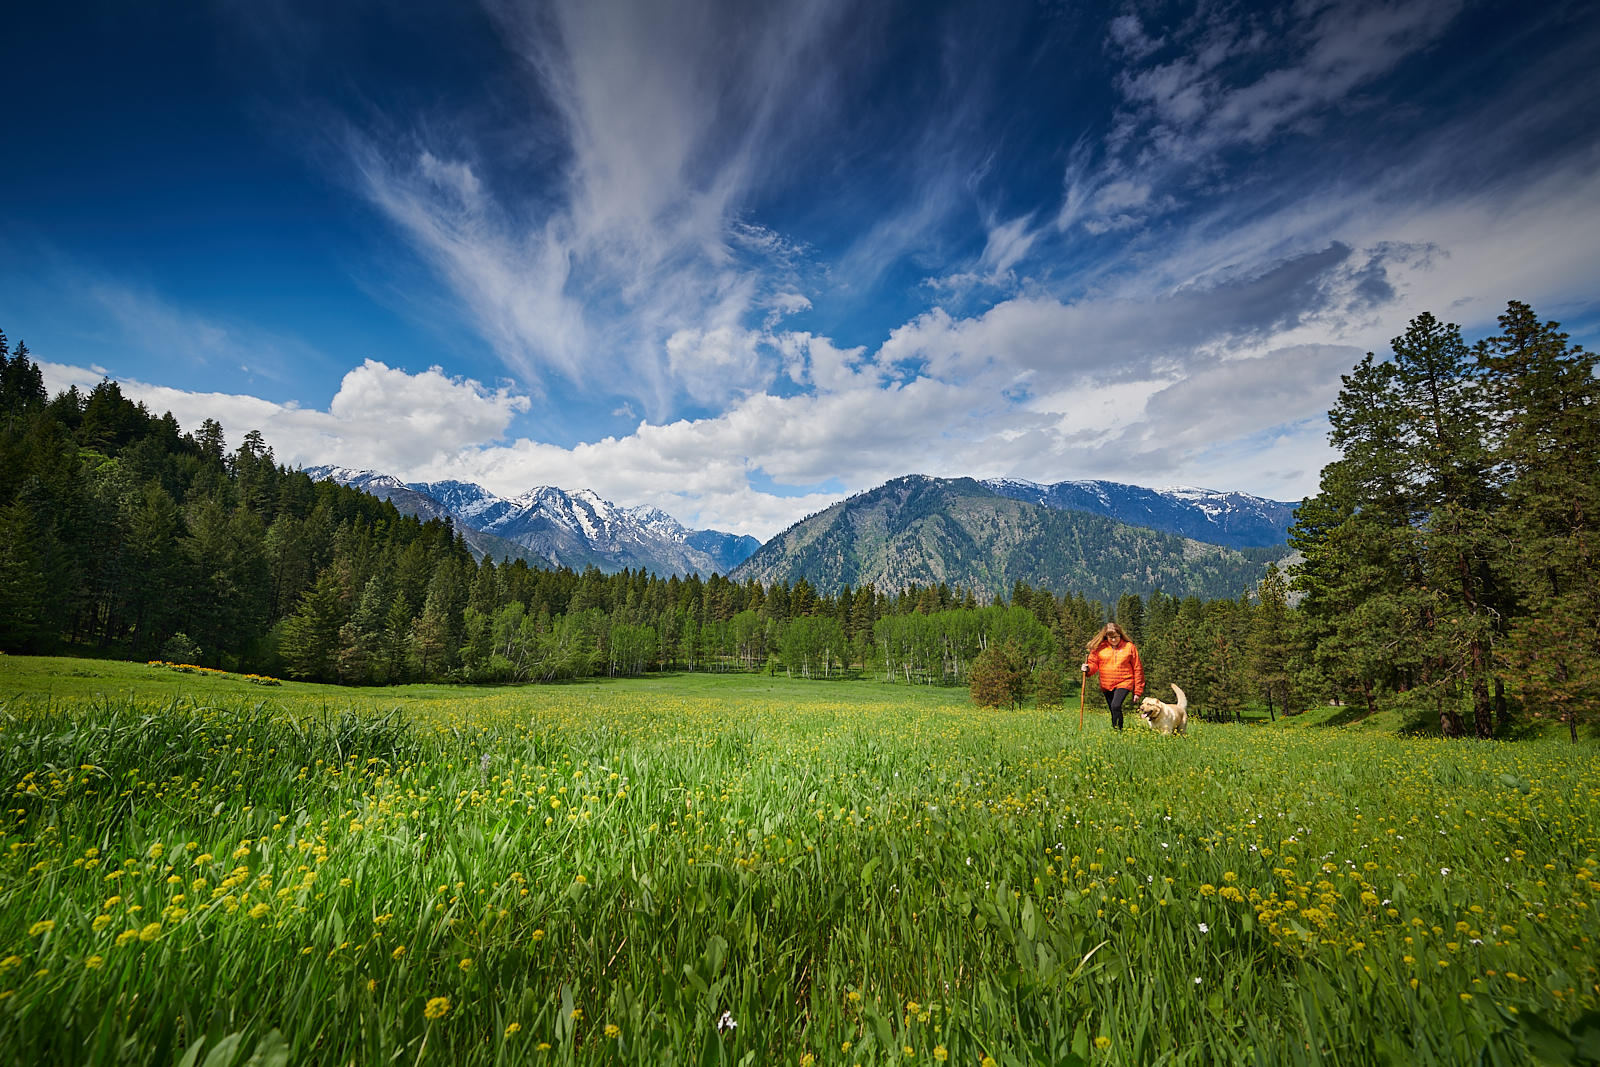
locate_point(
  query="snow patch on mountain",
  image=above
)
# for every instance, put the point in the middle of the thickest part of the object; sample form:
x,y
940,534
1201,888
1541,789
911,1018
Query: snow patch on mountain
x,y
574,529
1237,520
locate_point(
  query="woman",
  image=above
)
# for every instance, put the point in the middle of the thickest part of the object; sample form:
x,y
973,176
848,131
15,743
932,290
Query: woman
x,y
1116,660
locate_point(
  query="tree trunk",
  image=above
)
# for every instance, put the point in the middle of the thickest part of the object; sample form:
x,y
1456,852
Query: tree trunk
x,y
1501,715
1482,717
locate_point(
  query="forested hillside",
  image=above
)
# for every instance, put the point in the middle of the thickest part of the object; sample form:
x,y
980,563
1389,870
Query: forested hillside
x,y
118,531
920,530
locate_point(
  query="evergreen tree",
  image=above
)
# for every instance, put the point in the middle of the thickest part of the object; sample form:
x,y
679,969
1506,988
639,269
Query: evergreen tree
x,y
1000,676
1272,642
1547,440
21,580
1047,691
310,644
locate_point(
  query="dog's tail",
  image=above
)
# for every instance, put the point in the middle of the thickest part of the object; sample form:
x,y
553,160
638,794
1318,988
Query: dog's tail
x,y
1183,701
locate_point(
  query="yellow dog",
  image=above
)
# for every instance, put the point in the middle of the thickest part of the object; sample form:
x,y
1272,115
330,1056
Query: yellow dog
x,y
1168,718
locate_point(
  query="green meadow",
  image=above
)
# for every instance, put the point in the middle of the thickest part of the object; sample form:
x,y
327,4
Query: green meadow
x,y
199,869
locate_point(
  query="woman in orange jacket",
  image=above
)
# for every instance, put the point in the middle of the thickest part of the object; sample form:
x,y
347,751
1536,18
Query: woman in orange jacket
x,y
1116,660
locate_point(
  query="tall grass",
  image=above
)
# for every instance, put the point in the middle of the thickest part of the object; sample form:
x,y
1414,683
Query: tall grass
x,y
622,875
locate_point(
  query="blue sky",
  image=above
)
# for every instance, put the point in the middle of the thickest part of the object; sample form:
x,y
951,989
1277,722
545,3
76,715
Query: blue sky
x,y
737,260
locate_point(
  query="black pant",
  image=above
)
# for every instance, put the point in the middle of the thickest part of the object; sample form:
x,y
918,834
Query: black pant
x,y
1114,700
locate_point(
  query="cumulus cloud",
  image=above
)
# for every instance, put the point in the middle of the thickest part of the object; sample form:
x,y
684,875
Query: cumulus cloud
x,y
381,417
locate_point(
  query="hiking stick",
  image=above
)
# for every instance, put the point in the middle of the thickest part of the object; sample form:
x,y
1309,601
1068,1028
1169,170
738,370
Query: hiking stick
x,y
1083,690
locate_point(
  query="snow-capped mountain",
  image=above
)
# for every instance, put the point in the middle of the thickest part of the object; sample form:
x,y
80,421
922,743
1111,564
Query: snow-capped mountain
x,y
1237,520
557,527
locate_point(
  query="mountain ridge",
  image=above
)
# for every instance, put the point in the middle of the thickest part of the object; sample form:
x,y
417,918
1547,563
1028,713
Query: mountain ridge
x,y
551,526
923,530
1219,517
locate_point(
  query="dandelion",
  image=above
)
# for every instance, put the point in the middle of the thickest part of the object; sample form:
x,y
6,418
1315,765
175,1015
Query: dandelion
x,y
907,1050
260,911
436,1008
940,1053
543,1046
613,1031
845,1047
987,1061
538,935
126,936
94,963
150,932
807,1060
400,950
513,1028
466,964
1102,1042
43,926
577,1014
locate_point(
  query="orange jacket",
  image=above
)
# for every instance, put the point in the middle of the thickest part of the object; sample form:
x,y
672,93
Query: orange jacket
x,y
1119,668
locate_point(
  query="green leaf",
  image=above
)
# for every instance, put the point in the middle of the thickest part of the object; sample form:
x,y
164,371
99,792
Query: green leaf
x,y
222,1055
271,1051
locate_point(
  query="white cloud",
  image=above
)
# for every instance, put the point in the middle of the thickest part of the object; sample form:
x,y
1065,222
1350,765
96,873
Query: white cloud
x,y
381,417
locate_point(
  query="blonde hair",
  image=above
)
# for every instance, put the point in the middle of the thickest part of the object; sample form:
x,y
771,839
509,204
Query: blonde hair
x,y
1106,631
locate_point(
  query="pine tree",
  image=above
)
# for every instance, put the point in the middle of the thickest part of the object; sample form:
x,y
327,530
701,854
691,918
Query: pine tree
x,y
999,676
1398,545
1547,437
310,645
21,580
1272,641
1047,691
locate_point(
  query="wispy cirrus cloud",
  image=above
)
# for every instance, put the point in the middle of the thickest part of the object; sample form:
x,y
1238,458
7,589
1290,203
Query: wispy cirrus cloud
x,y
1227,80
634,246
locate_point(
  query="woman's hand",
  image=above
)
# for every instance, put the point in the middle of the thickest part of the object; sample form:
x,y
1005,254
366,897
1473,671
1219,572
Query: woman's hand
x,y
1085,668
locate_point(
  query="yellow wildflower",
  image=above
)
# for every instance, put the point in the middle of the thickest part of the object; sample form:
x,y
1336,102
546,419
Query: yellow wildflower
x,y
436,1008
